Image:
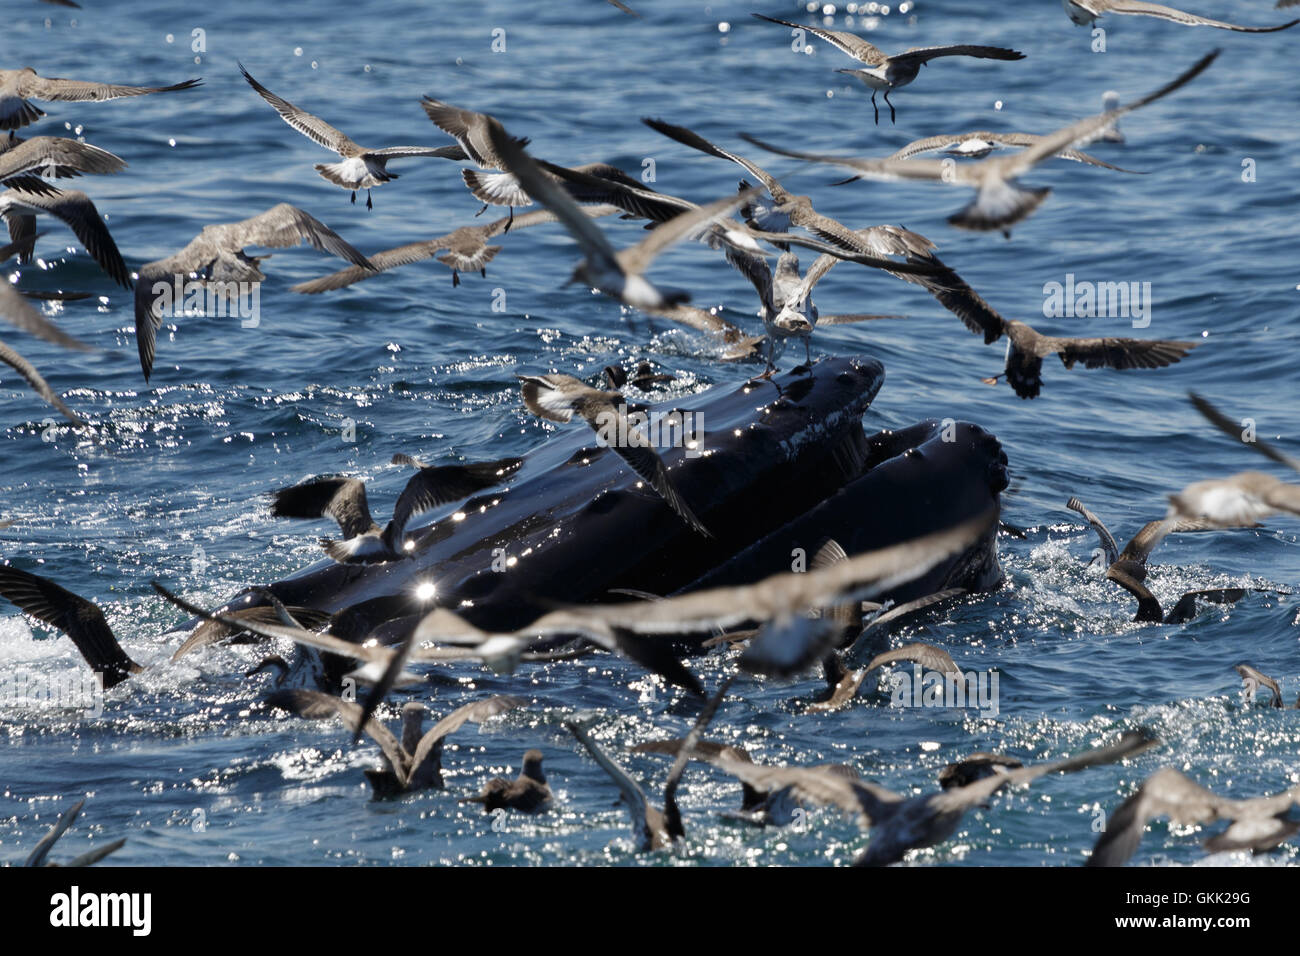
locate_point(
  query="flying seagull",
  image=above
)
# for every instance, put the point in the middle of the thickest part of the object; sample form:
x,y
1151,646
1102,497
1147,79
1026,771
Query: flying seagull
x,y
46,843
19,86
80,619
24,161
1027,347
652,829
884,72
216,258
869,246
1241,499
74,209
361,168
1233,430
344,500
464,250
617,274
1257,823
558,398
902,823
1000,202
978,144
1084,12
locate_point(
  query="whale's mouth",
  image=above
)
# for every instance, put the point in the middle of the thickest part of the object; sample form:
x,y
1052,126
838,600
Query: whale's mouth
x,y
575,524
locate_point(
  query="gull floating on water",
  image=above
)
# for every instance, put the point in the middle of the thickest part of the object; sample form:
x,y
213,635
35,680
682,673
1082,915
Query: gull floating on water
x,y
527,793
414,762
361,168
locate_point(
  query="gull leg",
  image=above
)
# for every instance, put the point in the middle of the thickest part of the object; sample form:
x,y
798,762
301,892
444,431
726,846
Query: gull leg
x,y
481,211
891,106
509,222
369,203
455,278
875,107
354,197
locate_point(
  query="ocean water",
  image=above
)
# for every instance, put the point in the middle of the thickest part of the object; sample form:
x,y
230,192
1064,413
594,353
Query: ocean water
x,y
181,762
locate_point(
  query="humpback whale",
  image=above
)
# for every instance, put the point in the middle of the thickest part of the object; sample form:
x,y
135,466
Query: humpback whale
x,y
783,464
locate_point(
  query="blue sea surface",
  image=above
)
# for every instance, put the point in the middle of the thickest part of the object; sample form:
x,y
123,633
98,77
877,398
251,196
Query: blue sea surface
x,y
180,763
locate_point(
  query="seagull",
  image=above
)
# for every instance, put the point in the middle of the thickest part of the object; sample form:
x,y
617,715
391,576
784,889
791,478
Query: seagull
x,y
978,144
527,793
868,246
558,398
1000,202
1241,499
1084,12
24,161
344,500
773,808
361,168
20,208
1252,680
216,258
1128,568
652,829
976,767
899,824
213,632
885,72
46,843
1233,430
1111,134
617,274
843,684
1257,823
1133,559
1026,349
477,134
19,86
465,250
76,617
644,378
19,312
414,762
500,651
